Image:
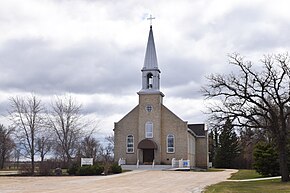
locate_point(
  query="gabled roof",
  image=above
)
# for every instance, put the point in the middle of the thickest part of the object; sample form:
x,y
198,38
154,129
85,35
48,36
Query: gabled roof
x,y
197,129
150,62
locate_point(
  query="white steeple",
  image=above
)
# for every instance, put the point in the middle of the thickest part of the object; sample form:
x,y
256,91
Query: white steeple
x,y
150,62
150,70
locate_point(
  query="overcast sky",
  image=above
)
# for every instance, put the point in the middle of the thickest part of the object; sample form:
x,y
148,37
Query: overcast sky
x,y
94,49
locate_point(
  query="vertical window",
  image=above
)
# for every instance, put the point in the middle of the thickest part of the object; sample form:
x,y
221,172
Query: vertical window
x,y
170,143
149,130
149,81
130,144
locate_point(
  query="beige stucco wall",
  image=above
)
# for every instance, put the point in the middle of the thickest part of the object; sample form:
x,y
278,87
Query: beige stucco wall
x,y
191,148
128,125
202,152
171,124
155,117
165,122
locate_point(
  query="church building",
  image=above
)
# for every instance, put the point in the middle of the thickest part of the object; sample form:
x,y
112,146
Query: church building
x,y
150,132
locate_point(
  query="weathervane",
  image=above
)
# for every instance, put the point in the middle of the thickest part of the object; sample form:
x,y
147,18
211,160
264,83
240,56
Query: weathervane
x,y
150,18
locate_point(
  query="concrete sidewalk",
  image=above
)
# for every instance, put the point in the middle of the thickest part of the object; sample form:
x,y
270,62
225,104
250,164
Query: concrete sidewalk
x,y
5,173
256,179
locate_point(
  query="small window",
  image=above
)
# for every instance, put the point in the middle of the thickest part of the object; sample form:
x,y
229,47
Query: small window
x,y
170,143
149,108
149,130
130,144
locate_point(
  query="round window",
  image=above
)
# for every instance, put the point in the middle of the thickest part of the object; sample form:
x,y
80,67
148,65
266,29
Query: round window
x,y
149,108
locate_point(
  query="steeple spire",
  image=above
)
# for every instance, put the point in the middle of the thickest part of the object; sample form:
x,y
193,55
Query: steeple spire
x,y
150,61
150,70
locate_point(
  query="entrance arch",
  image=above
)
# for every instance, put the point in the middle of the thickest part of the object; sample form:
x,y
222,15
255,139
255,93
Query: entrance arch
x,y
148,148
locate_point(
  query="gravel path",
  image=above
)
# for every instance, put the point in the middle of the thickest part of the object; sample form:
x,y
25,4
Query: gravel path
x,y
138,181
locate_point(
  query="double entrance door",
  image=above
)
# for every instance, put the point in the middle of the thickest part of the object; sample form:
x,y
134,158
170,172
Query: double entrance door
x,y
148,156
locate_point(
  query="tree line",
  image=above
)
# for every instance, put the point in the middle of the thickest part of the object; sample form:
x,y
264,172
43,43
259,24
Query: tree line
x,y
255,99
59,130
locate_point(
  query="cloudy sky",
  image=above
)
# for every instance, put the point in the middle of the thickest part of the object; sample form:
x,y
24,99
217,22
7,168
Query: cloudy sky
x,y
94,49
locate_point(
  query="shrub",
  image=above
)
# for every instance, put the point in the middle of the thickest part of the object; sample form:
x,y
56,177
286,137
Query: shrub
x,y
72,170
85,171
266,160
115,169
89,170
98,169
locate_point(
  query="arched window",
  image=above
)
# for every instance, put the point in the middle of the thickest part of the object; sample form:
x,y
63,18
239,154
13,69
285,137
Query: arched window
x,y
149,130
149,80
170,143
130,144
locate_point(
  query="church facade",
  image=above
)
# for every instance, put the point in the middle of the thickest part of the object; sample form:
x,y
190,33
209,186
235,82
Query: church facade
x,y
151,132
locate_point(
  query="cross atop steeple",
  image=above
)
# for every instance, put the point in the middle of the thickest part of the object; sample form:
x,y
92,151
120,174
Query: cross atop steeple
x,y
150,18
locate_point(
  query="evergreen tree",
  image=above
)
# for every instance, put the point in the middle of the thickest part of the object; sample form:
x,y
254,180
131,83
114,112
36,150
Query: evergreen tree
x,y
228,146
213,144
266,159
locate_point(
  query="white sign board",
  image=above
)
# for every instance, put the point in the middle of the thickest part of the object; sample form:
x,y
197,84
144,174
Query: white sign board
x,y
87,161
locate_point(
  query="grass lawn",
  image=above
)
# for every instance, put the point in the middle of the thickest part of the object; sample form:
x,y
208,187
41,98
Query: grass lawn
x,y
245,174
263,186
215,170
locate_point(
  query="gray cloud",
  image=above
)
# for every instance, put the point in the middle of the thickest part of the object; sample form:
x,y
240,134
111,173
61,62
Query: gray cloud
x,y
3,108
248,28
89,47
33,65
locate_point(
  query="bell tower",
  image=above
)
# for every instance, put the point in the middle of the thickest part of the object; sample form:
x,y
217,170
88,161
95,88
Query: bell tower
x,y
150,70
150,106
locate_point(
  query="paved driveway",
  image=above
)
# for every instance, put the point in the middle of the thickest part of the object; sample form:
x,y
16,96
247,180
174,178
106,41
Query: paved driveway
x,y
138,181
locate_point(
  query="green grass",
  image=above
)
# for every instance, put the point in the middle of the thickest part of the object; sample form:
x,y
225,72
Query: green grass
x,y
245,174
215,170
263,186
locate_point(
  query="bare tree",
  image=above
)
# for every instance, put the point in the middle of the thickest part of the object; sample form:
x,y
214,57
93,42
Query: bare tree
x,y
249,138
106,149
66,121
26,114
44,145
6,144
16,156
106,155
111,140
256,99
89,147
